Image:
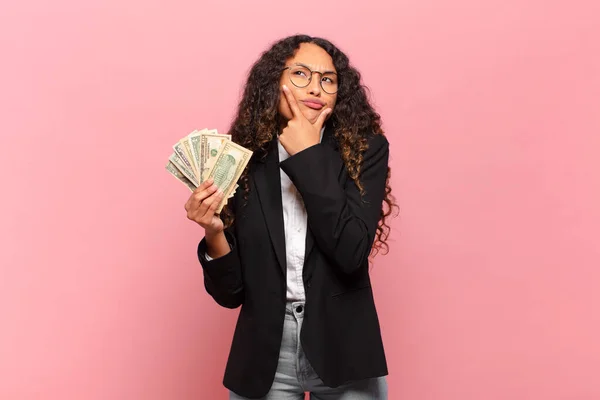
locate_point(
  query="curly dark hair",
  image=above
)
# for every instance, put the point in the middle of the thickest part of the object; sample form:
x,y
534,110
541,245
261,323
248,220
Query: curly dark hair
x,y
353,118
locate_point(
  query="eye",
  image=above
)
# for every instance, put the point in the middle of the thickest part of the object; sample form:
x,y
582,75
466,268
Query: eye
x,y
299,72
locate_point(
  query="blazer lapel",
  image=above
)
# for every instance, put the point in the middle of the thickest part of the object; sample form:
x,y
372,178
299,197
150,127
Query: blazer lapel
x,y
310,242
267,181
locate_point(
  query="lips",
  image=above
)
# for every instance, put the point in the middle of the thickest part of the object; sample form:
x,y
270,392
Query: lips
x,y
314,104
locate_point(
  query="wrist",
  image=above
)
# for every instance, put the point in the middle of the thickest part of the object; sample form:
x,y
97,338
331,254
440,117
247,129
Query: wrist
x,y
216,243
301,148
211,234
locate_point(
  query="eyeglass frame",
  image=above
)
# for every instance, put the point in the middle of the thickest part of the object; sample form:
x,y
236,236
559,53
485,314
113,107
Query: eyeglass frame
x,y
310,77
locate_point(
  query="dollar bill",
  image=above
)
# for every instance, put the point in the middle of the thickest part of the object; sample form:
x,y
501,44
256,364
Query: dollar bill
x,y
194,139
210,144
195,154
184,169
227,167
187,148
177,174
180,177
184,161
232,192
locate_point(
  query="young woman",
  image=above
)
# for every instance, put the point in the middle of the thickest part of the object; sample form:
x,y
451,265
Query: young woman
x,y
292,247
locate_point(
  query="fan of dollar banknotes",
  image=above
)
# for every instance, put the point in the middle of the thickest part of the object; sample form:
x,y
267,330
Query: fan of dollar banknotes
x,y
208,154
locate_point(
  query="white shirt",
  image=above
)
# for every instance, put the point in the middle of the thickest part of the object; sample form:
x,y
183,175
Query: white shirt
x,y
295,227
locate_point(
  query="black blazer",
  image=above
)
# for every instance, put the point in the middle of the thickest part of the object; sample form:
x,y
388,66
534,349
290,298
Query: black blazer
x,y
340,333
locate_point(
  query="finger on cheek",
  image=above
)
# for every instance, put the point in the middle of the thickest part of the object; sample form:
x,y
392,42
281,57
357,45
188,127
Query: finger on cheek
x,y
288,95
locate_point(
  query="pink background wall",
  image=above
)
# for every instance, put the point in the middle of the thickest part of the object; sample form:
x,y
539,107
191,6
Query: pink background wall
x,y
492,288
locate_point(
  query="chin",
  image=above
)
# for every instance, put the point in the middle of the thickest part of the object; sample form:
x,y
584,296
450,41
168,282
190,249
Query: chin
x,y
312,115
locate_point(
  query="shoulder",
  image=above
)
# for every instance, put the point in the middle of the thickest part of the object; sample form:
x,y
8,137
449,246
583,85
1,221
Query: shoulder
x,y
377,141
377,147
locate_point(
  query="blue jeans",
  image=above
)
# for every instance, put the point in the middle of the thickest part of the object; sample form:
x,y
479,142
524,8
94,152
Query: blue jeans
x,y
295,376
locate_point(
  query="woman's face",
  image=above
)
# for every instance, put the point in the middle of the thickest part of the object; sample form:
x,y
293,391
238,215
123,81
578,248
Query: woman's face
x,y
312,100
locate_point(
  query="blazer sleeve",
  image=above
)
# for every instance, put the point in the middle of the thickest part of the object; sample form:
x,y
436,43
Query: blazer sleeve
x,y
223,275
343,222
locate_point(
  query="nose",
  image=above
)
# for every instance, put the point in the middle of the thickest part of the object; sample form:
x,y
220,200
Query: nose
x,y
314,87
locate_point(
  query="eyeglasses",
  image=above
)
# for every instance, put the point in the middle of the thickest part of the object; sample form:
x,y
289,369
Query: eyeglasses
x,y
301,76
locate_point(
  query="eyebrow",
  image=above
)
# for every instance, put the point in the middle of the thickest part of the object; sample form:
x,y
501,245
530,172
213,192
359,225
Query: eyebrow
x,y
306,66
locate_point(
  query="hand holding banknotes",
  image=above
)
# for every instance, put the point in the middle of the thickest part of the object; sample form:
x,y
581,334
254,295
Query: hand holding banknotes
x,y
203,156
201,207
